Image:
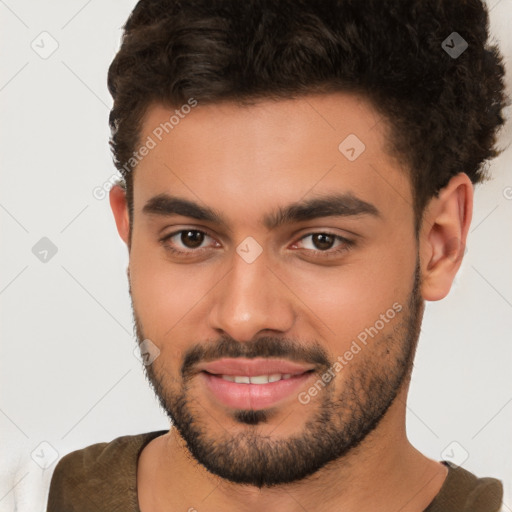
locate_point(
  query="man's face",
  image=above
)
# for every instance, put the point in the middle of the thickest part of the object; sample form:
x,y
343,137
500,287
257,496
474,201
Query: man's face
x,y
254,286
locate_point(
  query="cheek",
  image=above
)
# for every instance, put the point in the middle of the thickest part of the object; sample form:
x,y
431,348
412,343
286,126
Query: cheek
x,y
163,293
343,301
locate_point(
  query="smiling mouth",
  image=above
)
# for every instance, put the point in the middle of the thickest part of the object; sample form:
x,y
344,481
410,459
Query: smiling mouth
x,y
253,391
257,379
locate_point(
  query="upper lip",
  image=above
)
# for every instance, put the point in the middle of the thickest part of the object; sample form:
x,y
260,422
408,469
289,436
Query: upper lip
x,y
253,367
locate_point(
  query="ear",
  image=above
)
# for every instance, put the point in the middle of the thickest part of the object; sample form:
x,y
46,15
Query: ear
x,y
443,236
120,210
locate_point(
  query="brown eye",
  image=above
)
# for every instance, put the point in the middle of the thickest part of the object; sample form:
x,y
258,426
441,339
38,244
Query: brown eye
x,y
323,241
192,238
187,242
324,245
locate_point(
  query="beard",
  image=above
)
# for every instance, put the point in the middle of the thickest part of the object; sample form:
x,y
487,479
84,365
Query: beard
x,y
337,422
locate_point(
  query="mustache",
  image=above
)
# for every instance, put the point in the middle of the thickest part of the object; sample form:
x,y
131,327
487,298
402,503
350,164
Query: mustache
x,y
266,347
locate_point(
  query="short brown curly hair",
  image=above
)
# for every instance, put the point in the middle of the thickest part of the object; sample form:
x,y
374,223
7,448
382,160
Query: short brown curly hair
x,y
443,113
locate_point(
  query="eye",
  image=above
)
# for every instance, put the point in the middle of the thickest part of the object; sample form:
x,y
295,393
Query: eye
x,y
185,241
321,244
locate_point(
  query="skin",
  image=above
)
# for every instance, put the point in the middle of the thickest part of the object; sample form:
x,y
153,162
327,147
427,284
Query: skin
x,y
253,160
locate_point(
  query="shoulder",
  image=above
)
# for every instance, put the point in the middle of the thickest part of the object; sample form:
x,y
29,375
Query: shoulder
x,y
463,491
102,476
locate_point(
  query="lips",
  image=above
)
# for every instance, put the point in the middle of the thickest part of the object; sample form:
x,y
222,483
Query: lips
x,y
253,383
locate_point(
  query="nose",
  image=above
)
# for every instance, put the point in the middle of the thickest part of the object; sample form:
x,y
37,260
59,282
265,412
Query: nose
x,y
251,298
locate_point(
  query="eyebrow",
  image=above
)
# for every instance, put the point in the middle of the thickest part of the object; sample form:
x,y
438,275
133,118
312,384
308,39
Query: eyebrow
x,y
333,205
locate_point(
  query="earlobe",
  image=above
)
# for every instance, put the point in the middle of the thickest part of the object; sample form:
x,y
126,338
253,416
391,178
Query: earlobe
x,y
120,210
443,236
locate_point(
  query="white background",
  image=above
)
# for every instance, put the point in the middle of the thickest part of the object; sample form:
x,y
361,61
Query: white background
x,y
68,376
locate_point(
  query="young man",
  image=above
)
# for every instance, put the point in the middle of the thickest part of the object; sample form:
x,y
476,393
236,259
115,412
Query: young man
x,y
297,180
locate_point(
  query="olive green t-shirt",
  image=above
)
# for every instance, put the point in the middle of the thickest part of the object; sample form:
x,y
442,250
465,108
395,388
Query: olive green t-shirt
x,y
103,478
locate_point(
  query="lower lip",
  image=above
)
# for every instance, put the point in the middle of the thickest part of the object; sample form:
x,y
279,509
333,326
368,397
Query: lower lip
x,y
253,396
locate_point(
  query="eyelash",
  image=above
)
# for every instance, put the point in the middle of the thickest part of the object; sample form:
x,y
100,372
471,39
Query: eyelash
x,y
315,253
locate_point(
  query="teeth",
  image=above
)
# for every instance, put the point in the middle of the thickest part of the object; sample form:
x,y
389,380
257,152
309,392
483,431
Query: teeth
x,y
256,379
259,379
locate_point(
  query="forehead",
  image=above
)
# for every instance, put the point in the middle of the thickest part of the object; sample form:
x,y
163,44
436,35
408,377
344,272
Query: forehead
x,y
270,153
